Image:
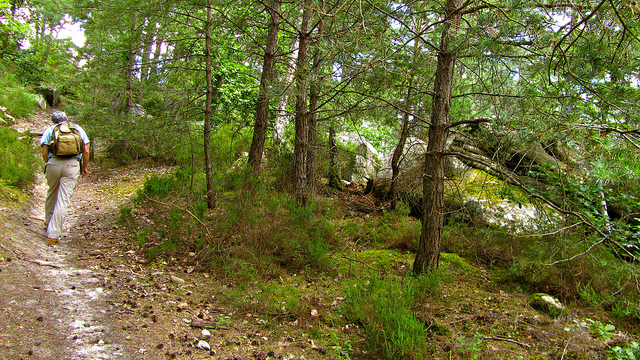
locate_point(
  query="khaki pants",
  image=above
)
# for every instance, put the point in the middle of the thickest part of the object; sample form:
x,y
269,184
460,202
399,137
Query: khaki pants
x,y
62,178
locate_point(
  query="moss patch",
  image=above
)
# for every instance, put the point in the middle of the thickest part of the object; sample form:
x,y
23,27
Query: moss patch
x,y
365,263
455,262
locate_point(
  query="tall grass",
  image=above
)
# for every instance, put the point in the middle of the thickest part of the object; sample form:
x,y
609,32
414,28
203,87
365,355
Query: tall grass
x,y
382,307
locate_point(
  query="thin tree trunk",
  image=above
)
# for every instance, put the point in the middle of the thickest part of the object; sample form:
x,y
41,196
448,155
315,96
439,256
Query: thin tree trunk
x,y
155,67
301,117
264,96
428,254
146,56
397,153
282,118
207,112
334,174
314,94
404,133
312,138
131,68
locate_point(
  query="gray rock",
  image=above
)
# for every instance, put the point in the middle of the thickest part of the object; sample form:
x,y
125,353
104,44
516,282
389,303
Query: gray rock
x,y
365,161
176,280
546,303
203,345
137,110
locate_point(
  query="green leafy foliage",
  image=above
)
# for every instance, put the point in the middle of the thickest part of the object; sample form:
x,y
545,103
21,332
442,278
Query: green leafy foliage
x,y
629,352
471,347
134,138
18,154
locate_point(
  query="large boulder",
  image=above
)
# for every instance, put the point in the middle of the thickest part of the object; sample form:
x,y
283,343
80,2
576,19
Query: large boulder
x,y
51,95
411,160
364,161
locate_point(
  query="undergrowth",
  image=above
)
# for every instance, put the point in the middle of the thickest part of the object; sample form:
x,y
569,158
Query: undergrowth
x,y
258,237
19,162
548,264
16,100
382,306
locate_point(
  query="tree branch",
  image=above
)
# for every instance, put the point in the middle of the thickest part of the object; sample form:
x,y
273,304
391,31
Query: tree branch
x,y
209,237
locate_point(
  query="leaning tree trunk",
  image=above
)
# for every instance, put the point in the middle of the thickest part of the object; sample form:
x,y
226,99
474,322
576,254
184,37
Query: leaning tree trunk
x,y
428,253
397,152
301,117
404,133
264,96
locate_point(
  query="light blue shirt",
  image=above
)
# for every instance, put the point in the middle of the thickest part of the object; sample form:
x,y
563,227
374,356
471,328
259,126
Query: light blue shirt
x,y
47,134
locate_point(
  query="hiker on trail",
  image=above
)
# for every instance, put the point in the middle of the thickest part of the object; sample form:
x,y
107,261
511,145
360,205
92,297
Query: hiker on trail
x,y
65,150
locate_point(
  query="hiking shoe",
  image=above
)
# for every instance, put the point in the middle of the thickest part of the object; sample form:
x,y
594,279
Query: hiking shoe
x,y
52,241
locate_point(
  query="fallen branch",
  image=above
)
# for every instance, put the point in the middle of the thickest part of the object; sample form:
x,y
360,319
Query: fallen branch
x,y
206,324
605,239
513,179
507,340
11,251
37,262
578,255
362,262
43,263
209,237
551,233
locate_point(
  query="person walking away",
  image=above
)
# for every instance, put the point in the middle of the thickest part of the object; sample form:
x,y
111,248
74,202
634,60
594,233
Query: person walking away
x,y
62,173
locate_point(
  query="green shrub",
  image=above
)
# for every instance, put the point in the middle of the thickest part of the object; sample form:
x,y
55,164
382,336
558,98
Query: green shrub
x,y
628,352
15,98
159,186
126,215
19,159
541,264
383,308
132,138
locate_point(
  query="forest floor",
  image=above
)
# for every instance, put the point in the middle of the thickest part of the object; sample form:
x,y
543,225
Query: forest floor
x,y
95,296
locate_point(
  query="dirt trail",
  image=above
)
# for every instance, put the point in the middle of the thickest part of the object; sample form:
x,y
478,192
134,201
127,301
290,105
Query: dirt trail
x,y
55,303
93,296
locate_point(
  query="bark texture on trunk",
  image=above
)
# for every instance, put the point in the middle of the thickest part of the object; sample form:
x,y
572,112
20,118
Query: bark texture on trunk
x,y
264,95
334,173
301,117
314,97
207,112
404,132
428,254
